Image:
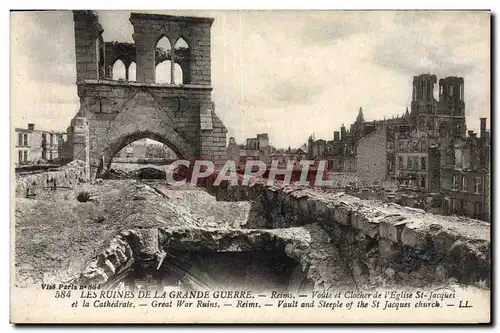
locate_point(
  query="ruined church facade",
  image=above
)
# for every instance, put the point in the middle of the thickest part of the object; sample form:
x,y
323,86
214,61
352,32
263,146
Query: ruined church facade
x,y
115,113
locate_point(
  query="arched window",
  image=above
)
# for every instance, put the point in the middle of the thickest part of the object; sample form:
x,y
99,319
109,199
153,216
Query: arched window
x,y
163,72
132,71
177,74
182,59
118,70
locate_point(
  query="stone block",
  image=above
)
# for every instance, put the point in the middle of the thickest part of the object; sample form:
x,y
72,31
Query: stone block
x,y
321,206
113,258
366,222
292,203
342,214
390,272
386,248
391,228
414,235
443,239
303,205
108,268
121,256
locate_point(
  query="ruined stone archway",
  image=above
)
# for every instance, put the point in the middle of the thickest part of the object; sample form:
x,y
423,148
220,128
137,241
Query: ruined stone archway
x,y
171,140
198,257
113,113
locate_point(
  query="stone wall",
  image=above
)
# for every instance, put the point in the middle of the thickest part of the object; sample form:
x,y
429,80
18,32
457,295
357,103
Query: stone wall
x,y
213,142
119,113
68,175
371,160
148,29
89,47
400,242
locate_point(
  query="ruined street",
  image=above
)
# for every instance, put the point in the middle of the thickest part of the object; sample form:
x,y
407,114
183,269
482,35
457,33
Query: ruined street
x,y
129,233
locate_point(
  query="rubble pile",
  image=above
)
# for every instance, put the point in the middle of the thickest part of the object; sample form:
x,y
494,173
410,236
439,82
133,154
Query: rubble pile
x,y
337,240
400,242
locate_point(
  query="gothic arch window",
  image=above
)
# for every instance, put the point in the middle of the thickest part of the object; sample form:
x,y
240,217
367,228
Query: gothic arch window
x,y
132,69
119,70
163,62
178,74
182,59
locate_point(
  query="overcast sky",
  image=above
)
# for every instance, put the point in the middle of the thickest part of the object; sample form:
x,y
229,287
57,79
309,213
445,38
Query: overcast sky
x,y
287,73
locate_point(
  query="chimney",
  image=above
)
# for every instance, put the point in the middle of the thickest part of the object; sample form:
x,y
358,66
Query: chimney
x,y
336,136
31,127
483,127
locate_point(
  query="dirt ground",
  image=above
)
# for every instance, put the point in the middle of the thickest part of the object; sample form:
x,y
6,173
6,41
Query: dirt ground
x,y
56,235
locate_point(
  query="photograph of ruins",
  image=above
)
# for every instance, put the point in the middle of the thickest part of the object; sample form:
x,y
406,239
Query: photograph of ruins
x,y
395,106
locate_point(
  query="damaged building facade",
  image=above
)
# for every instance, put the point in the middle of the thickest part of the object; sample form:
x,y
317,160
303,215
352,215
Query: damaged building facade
x,y
38,146
341,152
116,112
259,148
465,175
426,150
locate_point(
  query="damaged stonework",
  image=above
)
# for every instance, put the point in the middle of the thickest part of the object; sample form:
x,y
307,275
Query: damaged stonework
x,y
334,240
114,113
318,260
123,250
403,243
125,52
67,176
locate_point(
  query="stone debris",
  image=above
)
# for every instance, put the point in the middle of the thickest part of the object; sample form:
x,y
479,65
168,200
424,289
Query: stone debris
x,y
337,240
318,259
457,247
